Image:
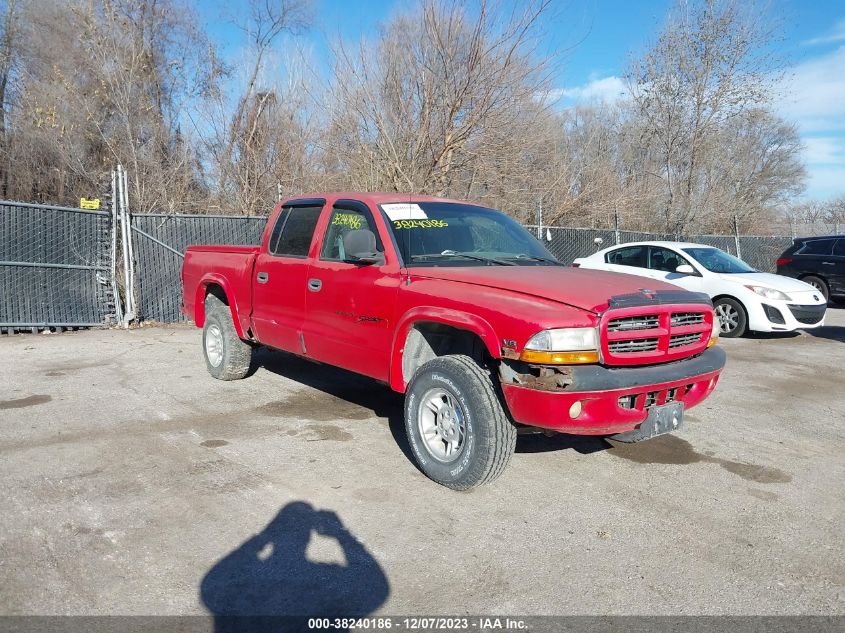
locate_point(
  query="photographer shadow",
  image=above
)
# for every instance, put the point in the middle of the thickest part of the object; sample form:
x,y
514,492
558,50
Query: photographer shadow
x,y
268,584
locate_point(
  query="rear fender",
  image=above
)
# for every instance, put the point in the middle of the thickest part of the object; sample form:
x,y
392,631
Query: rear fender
x,y
454,318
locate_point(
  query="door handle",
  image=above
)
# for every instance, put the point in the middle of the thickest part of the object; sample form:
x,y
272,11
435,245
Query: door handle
x,y
314,285
263,278
829,263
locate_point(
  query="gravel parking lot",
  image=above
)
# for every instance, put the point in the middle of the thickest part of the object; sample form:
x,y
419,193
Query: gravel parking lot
x,y
134,483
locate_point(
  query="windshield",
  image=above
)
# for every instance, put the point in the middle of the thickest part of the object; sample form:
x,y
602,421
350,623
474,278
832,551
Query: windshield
x,y
717,261
454,234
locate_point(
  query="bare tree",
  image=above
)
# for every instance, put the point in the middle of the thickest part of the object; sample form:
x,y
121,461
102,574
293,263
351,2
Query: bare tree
x,y
710,64
113,91
451,98
8,59
244,141
415,110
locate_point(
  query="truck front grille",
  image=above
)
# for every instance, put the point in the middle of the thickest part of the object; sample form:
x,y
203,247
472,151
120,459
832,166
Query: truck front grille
x,y
641,335
686,318
626,324
679,340
633,345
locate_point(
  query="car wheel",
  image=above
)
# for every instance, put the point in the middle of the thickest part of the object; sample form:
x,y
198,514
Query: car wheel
x,y
227,357
732,318
459,433
819,284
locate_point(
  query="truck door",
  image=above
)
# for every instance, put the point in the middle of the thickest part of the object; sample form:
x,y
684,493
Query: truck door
x,y
279,277
350,306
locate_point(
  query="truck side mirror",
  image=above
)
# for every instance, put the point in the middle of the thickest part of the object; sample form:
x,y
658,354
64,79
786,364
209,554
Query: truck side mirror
x,y
685,269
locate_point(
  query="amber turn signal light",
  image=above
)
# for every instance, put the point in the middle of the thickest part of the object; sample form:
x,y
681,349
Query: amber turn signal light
x,y
559,358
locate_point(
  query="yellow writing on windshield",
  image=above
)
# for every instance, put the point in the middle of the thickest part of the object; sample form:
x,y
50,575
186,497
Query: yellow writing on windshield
x,y
419,224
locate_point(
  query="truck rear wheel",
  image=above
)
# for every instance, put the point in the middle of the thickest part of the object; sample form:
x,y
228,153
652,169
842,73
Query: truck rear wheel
x,y
458,431
227,357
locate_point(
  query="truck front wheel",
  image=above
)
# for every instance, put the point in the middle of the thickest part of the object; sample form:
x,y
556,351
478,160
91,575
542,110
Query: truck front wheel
x,y
227,357
458,431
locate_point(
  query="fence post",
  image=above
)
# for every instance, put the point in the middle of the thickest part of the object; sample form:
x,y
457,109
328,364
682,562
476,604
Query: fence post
x,y
540,221
130,244
616,224
118,305
126,236
736,238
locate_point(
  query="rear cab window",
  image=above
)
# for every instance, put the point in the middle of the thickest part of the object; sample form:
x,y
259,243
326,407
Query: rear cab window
x,y
294,231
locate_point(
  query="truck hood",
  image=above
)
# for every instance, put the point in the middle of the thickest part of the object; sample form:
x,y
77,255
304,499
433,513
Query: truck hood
x,y
577,287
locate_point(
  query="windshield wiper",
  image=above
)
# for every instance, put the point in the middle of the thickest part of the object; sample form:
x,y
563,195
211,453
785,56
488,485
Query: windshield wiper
x,y
479,258
554,262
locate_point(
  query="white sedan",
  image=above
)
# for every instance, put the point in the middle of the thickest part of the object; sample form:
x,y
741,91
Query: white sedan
x,y
744,299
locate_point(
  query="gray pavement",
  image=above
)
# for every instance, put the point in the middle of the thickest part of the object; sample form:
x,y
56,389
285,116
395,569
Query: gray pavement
x,y
134,483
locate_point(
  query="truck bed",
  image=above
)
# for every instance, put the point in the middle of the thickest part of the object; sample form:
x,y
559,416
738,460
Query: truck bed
x,y
228,266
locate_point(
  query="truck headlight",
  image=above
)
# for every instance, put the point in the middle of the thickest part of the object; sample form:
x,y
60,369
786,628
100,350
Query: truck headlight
x,y
769,293
714,332
562,346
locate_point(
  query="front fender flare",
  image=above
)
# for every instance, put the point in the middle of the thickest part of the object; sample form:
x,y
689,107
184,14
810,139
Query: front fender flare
x,y
455,318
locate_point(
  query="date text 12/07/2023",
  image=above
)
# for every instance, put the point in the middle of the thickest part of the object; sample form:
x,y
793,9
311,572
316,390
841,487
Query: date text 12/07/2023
x,y
419,623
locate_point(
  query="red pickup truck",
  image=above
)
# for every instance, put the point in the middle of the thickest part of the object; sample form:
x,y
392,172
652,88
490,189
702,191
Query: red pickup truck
x,y
461,309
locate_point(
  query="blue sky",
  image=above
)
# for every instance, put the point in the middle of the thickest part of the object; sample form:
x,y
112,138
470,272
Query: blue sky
x,y
597,37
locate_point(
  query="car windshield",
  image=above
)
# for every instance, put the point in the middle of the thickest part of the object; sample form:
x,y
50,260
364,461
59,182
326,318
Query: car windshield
x,y
454,234
717,261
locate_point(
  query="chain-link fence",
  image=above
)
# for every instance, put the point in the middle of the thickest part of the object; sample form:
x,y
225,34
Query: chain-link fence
x,y
569,244
55,265
160,242
58,266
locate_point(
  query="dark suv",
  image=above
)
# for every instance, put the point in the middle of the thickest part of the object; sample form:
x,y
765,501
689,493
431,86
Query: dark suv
x,y
819,261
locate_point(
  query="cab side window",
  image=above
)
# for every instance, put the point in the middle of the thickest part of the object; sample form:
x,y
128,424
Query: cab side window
x,y
295,236
628,256
277,229
660,258
341,223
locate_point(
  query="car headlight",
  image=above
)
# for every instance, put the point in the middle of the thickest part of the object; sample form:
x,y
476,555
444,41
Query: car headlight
x,y
563,346
714,332
769,293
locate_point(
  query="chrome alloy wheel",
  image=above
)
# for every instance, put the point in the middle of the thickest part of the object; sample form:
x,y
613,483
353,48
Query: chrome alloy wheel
x,y
728,318
214,345
442,425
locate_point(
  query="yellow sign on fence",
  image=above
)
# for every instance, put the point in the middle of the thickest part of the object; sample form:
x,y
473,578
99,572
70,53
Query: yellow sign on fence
x,y
93,203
